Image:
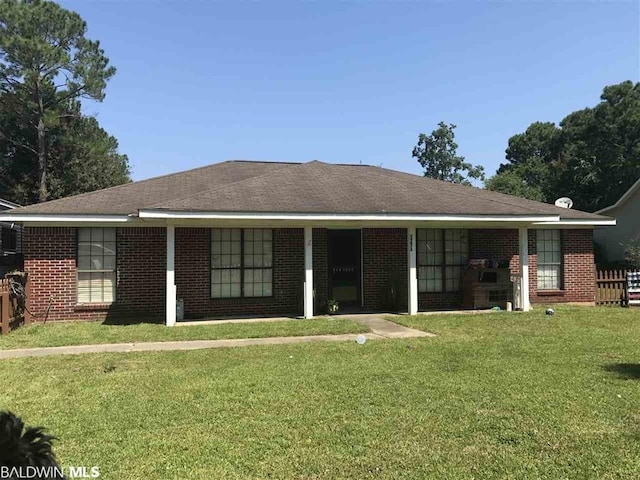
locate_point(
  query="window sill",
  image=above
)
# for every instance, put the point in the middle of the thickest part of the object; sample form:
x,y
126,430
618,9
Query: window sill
x,y
551,293
91,307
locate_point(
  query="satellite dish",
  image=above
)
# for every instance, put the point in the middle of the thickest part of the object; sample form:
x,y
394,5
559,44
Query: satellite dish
x,y
564,202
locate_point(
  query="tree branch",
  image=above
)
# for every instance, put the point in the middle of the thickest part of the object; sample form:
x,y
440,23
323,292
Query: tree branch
x,y
17,144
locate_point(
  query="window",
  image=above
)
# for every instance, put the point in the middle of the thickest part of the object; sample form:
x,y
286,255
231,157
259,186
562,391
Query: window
x,y
96,265
549,248
442,256
9,239
241,262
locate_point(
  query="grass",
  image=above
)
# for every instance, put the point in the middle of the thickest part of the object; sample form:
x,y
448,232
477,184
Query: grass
x,y
87,333
493,396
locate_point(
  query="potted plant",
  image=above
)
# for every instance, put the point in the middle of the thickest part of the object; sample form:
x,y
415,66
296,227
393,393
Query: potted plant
x,y
332,307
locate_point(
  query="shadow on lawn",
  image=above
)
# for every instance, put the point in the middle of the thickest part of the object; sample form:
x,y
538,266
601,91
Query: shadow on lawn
x,y
629,371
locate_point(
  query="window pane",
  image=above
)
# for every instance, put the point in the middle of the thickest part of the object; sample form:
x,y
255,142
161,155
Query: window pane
x,y
454,279
97,235
84,234
96,265
434,279
84,262
109,287
84,288
109,234
549,252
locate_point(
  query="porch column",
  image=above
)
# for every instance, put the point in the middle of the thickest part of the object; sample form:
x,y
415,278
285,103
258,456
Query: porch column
x,y
523,234
308,272
412,284
171,276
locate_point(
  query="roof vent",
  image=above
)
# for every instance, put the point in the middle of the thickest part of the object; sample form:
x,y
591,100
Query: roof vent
x,y
564,202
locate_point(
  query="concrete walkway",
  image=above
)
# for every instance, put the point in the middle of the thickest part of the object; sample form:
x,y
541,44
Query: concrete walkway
x,y
380,329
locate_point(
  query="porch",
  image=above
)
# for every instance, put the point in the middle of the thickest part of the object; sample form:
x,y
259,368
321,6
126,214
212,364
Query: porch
x,y
363,268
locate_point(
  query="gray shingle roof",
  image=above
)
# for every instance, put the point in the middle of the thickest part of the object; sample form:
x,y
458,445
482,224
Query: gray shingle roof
x,y
313,187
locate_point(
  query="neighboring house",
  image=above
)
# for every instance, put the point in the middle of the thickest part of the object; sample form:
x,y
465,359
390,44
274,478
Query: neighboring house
x,y
626,210
10,241
245,238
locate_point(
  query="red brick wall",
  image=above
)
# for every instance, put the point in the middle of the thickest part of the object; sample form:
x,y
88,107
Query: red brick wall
x,y
142,272
495,244
502,244
384,264
578,282
193,277
50,259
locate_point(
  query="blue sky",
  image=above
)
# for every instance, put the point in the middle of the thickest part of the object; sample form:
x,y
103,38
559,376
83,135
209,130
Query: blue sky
x,y
200,82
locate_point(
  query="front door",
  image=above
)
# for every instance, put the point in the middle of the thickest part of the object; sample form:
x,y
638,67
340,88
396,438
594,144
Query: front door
x,y
344,267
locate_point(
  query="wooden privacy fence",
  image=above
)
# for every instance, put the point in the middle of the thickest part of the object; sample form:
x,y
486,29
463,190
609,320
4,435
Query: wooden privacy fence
x,y
611,287
11,315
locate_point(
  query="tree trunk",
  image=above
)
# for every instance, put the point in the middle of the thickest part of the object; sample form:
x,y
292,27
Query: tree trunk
x,y
42,163
42,154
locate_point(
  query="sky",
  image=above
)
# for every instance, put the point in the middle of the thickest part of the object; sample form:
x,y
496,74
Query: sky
x,y
200,82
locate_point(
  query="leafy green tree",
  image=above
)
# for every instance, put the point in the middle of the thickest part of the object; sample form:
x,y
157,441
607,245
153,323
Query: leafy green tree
x,y
593,156
601,148
531,159
46,62
437,153
82,157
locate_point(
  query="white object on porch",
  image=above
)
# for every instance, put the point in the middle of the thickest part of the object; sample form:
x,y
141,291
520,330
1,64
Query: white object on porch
x,y
171,277
523,234
308,272
413,277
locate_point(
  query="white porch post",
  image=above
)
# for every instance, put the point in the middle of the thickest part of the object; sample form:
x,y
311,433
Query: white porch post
x,y
308,272
412,283
523,234
171,276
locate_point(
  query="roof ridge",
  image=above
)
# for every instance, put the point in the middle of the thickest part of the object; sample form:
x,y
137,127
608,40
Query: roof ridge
x,y
220,187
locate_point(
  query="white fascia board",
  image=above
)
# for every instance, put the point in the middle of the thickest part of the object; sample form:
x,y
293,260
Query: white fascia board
x,y
167,214
75,218
576,223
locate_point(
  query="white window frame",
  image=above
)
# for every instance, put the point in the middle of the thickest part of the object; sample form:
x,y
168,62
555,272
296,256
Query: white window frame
x,y
241,263
96,262
550,258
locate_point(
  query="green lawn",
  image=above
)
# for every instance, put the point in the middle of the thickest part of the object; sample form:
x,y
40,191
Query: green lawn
x,y
492,396
86,333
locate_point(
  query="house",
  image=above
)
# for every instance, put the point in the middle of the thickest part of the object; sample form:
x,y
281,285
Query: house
x,y
613,240
245,238
10,241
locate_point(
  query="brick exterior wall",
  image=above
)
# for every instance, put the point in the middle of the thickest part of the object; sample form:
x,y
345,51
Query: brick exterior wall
x,y
142,278
50,260
578,281
384,266
193,277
